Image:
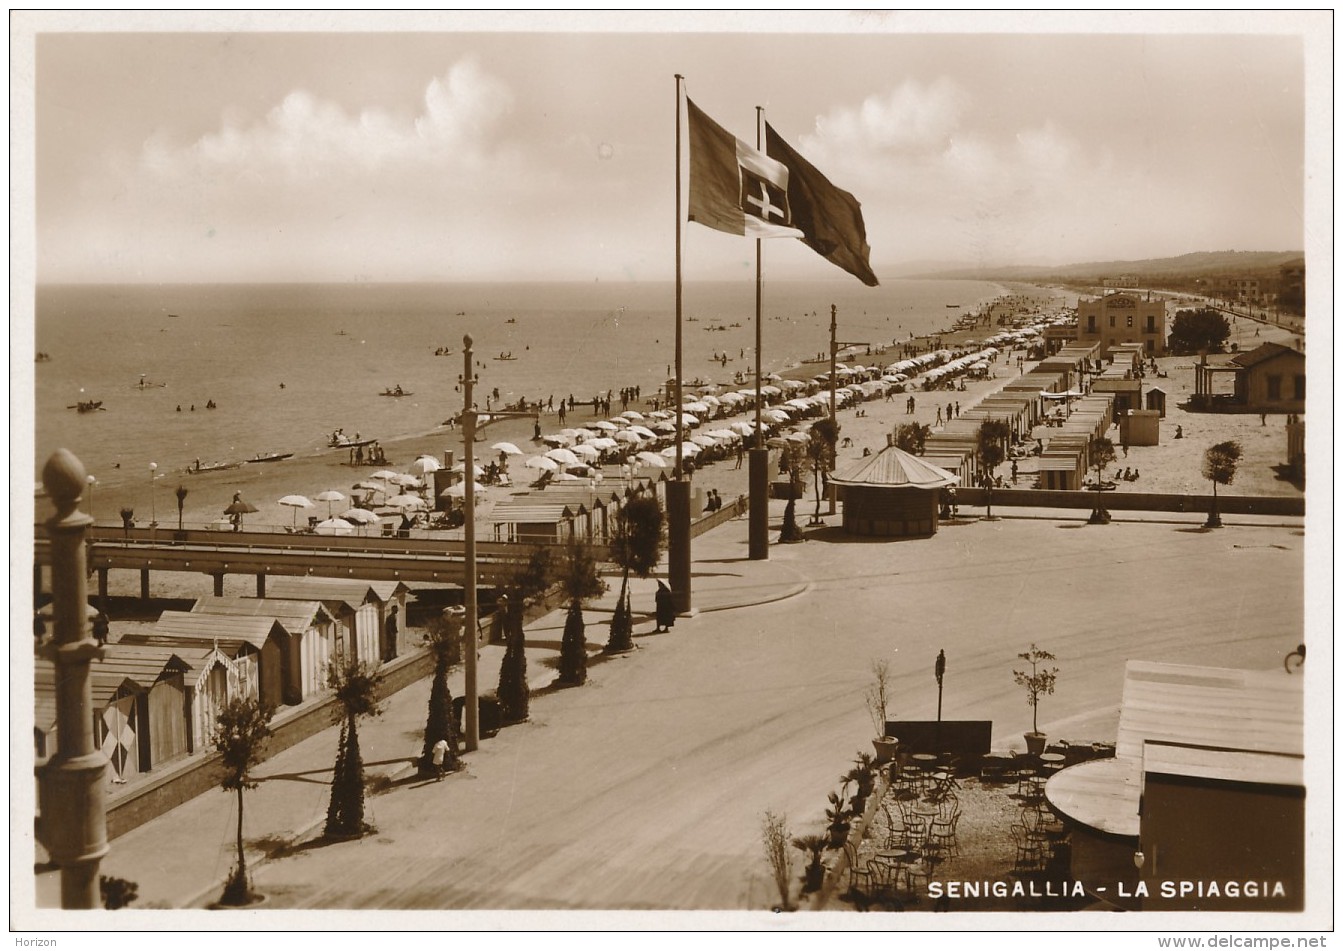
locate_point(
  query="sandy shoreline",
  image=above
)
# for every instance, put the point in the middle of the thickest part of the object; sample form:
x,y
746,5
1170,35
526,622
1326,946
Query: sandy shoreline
x,y
1173,467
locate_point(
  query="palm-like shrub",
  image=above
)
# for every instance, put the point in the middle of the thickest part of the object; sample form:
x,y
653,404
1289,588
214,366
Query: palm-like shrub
x,y
912,437
241,731
991,450
822,438
514,694
636,546
355,687
794,462
1100,453
1219,468
443,639
580,581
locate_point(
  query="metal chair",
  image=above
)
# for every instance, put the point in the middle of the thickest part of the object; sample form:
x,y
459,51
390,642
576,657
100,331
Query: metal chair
x,y
942,831
859,873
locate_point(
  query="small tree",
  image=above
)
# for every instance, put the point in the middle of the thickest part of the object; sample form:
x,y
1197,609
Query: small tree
x,y
1100,453
1038,683
991,450
912,437
1219,468
181,501
636,546
443,639
117,892
241,731
878,695
813,876
355,686
822,438
580,581
514,694
793,462
775,837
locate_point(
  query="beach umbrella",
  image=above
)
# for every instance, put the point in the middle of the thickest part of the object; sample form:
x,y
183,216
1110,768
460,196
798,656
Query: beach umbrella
x,y
296,502
603,442
557,439
742,429
406,502
666,426
722,434
459,490
687,449
563,456
695,407
330,496
542,463
239,508
632,414
567,477
628,435
643,431
651,459
426,464
384,474
605,425
360,516
334,526
461,467
507,447
660,414
587,450
403,479
689,419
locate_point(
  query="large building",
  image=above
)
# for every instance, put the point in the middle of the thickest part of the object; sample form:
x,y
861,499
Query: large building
x,y
1123,317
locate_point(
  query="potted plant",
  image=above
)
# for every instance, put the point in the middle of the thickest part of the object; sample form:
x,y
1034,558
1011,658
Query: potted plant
x,y
838,817
1038,682
864,777
878,698
813,876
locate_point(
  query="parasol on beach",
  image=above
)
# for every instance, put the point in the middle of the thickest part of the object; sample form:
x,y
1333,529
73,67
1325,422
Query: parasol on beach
x,y
406,502
542,463
628,435
426,464
296,502
238,508
360,516
458,491
632,414
330,496
651,459
563,456
586,450
508,448
333,526
384,474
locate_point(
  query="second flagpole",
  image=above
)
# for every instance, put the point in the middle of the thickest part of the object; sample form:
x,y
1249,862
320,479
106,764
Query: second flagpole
x,y
758,474
678,489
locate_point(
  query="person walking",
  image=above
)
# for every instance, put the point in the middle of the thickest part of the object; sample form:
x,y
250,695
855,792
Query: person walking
x,y
665,608
438,754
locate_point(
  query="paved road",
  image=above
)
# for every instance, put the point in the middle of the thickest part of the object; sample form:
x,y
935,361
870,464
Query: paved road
x,y
645,788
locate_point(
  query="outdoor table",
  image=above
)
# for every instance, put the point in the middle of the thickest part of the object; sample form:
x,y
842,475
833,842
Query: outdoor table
x,y
1052,762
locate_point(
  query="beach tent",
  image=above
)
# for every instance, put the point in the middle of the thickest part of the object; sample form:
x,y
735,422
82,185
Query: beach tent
x,y
301,670
361,611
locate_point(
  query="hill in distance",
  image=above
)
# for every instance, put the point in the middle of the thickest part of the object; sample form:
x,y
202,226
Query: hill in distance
x,y
1192,265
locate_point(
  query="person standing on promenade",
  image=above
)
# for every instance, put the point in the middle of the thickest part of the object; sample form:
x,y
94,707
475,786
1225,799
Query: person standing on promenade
x,y
665,609
438,754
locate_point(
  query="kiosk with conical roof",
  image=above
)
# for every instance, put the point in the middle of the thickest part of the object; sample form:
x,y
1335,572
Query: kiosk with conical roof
x,y
892,493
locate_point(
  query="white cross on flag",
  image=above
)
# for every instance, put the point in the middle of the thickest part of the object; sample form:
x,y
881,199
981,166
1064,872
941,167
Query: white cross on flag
x,y
733,187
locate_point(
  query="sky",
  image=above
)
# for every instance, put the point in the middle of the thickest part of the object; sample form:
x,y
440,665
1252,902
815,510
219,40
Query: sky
x,y
234,147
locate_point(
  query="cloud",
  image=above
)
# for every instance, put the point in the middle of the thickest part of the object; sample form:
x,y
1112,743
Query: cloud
x,y
302,137
913,117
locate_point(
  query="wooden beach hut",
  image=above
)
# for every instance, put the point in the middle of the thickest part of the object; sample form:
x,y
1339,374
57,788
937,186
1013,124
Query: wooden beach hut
x,y
535,523
371,616
300,672
254,647
892,494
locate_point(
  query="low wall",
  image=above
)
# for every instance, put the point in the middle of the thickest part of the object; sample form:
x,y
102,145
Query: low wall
x,y
730,510
968,740
1135,501
183,780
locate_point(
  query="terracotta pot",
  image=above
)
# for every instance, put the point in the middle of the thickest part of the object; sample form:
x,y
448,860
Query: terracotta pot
x,y
1035,743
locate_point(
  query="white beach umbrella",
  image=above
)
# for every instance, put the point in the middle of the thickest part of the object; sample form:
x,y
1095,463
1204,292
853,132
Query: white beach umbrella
x,y
405,480
628,435
384,474
696,407
651,459
406,502
296,502
558,439
643,431
360,516
426,464
742,429
587,450
632,414
461,467
605,442
330,496
507,448
704,440
605,425
459,490
689,419
334,526
542,463
567,477
563,456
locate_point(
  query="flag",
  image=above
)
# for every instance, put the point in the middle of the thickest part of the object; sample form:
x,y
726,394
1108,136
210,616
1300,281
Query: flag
x,y
733,187
831,220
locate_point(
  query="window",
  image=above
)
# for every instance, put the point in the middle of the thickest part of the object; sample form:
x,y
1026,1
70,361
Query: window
x,y
1299,386
1091,323
1112,320
1150,346
1151,324
1130,320
1275,387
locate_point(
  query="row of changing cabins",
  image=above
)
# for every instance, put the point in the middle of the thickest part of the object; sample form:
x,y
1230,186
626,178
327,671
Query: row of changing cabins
x,y
156,693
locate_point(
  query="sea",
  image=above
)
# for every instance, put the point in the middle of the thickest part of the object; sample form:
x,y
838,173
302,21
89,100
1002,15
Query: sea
x,y
285,365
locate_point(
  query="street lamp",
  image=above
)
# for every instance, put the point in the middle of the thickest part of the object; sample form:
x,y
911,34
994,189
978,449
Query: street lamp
x,y
153,521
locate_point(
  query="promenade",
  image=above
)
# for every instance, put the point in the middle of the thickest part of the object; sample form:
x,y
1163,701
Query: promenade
x,y
644,788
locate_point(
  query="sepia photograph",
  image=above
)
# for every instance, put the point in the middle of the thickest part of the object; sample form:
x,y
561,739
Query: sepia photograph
x,y
756,471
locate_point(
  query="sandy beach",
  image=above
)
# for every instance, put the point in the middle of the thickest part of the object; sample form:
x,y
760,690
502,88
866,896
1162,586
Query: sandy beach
x,y
1174,466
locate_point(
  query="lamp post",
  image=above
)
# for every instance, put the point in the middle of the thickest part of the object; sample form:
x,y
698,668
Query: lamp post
x,y
153,520
472,620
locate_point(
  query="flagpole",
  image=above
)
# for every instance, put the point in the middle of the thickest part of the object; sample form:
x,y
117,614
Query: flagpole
x,y
678,489
758,474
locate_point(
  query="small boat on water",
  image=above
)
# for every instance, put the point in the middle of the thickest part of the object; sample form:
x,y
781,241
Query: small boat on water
x,y
270,456
511,320
212,467
506,356
345,442
87,406
953,305
397,391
